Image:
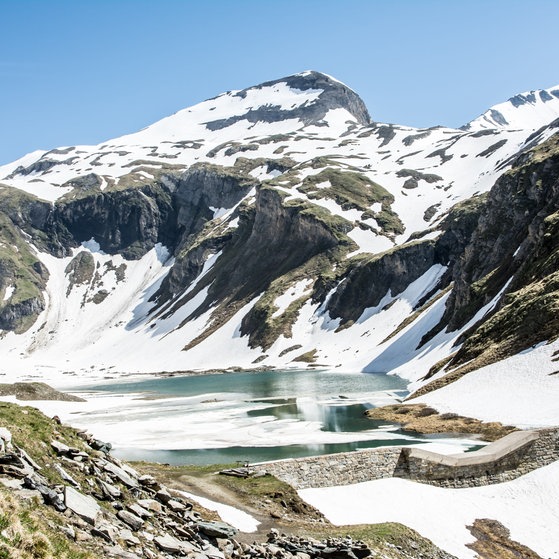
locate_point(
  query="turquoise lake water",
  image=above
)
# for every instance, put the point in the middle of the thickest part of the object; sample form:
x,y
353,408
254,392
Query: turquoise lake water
x,y
249,416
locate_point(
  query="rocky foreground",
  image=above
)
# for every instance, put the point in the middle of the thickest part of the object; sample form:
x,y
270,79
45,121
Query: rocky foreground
x,y
64,495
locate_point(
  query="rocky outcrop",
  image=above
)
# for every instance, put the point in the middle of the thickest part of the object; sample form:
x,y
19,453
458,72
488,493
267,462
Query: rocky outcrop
x,y
204,189
272,239
334,95
372,278
513,251
129,221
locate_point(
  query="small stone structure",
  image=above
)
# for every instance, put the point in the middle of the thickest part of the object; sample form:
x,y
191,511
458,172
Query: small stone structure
x,y
508,458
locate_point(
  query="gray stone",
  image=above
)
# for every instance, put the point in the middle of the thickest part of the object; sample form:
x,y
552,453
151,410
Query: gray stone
x,y
5,440
163,496
60,448
128,537
139,511
168,544
109,490
120,474
65,475
152,505
148,481
105,531
176,506
25,457
135,522
213,552
11,483
117,551
83,505
217,529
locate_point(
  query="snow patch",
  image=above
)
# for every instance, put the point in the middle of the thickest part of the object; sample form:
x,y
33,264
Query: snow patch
x,y
527,506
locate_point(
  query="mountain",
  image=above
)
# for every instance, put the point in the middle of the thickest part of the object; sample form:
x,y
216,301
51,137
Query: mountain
x,y
525,110
281,226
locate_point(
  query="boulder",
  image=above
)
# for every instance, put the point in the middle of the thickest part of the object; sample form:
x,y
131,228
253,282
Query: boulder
x,y
163,496
118,552
109,491
176,506
60,448
135,522
217,529
139,511
120,474
5,440
168,543
105,531
148,481
213,552
128,537
83,505
151,504
65,475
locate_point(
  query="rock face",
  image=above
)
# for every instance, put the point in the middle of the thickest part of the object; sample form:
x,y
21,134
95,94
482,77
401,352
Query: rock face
x,y
206,186
333,95
129,222
512,248
369,281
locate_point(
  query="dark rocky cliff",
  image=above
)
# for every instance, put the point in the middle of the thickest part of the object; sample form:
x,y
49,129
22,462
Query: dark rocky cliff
x,y
273,238
128,221
514,251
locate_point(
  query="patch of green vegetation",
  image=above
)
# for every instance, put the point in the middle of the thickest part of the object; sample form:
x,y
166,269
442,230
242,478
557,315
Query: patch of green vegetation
x,y
33,431
424,419
349,189
29,530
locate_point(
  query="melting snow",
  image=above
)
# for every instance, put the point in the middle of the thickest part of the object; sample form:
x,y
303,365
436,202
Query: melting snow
x,y
527,506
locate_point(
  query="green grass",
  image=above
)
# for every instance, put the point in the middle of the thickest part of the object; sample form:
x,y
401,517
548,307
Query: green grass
x,y
33,431
349,189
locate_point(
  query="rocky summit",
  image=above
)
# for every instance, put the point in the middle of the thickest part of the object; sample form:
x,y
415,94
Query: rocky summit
x,y
282,226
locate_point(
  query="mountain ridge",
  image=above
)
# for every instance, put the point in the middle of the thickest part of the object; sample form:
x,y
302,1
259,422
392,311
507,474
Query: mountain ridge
x,y
302,225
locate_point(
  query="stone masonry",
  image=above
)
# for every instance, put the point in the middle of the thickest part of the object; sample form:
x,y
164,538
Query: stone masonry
x,y
508,458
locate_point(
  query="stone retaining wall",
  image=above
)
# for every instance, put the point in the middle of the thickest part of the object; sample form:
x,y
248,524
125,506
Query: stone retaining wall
x,y
516,454
327,470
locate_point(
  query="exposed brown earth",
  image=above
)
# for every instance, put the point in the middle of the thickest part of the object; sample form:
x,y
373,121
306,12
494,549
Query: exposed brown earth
x,y
424,419
493,542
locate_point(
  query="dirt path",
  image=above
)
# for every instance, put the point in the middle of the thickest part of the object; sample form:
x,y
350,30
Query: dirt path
x,y
268,511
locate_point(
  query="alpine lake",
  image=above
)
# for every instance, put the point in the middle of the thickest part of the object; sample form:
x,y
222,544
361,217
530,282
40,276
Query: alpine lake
x,y
245,417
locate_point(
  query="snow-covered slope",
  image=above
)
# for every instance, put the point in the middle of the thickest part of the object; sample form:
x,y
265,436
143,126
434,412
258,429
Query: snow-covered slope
x,y
531,109
275,226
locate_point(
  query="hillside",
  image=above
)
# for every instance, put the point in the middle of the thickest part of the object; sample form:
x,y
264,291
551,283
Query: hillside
x,y
62,495
281,226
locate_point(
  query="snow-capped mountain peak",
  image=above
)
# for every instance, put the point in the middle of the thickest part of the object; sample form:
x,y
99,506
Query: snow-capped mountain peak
x,y
530,109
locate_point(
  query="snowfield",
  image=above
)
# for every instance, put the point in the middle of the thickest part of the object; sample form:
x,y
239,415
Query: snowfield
x,y
527,506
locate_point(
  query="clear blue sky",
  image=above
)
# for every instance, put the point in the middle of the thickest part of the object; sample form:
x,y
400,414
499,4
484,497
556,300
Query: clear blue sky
x,y
84,71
